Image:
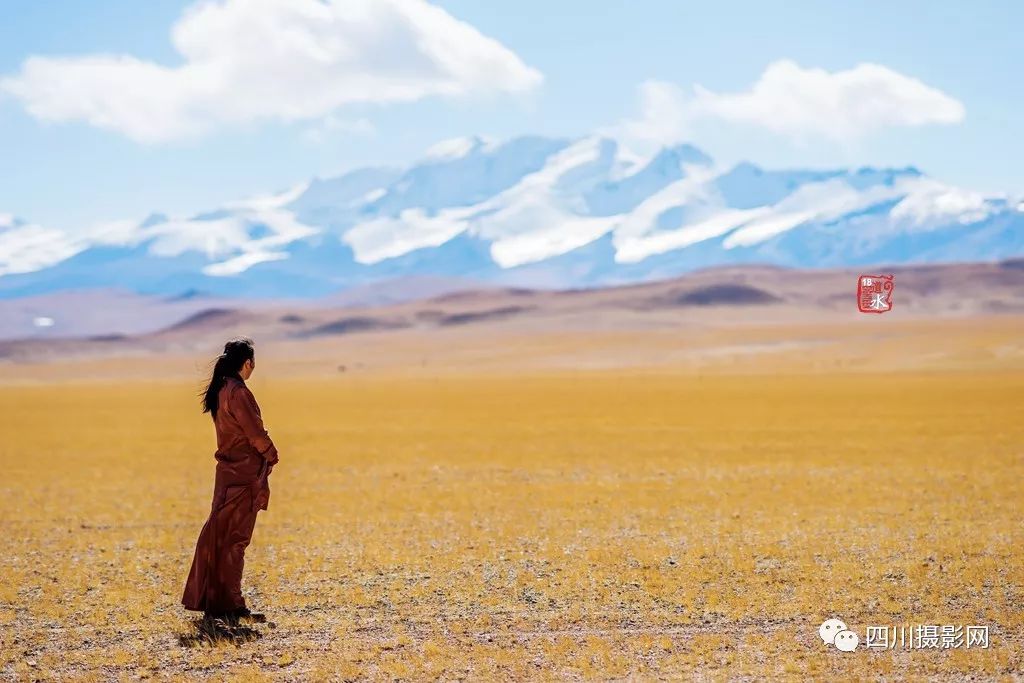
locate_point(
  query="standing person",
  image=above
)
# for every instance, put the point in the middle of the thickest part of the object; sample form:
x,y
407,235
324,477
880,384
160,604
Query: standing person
x,y
245,457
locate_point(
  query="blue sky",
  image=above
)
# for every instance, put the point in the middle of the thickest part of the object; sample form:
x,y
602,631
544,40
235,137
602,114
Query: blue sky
x,y
565,69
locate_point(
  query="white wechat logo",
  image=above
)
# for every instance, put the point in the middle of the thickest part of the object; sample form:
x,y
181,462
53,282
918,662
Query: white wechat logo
x,y
834,632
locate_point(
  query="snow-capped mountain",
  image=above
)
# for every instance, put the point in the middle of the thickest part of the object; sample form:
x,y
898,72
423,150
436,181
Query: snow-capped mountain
x,y
532,210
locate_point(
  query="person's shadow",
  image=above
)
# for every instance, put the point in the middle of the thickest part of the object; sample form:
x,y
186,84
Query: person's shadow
x,y
206,631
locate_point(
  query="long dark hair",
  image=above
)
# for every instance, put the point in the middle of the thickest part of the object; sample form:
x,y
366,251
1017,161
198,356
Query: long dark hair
x,y
227,364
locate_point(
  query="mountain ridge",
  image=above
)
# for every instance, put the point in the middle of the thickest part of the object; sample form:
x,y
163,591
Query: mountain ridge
x,y
530,211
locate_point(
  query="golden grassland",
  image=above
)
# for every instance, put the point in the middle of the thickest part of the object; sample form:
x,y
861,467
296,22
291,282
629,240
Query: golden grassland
x,y
584,525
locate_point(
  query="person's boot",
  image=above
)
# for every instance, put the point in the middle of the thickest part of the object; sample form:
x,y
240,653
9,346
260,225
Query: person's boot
x,y
210,616
245,614
216,624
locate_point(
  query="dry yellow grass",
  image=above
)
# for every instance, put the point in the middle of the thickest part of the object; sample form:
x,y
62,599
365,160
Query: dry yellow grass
x,y
575,525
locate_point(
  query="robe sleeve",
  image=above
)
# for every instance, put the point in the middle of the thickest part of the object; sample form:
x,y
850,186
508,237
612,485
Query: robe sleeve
x,y
247,412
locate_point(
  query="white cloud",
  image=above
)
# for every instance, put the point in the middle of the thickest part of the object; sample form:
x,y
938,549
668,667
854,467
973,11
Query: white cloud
x,y
285,60
664,118
799,103
841,105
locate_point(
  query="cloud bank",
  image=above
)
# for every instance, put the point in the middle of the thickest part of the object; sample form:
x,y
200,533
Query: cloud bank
x,y
283,60
799,103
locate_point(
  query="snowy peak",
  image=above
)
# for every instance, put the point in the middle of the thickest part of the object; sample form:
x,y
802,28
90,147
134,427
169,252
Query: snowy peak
x,y
465,179
679,156
457,148
526,210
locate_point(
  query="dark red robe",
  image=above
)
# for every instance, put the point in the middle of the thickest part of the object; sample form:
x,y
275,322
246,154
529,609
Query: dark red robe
x,y
245,457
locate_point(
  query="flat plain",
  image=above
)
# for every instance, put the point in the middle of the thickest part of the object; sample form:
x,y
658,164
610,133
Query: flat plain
x,y
687,496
